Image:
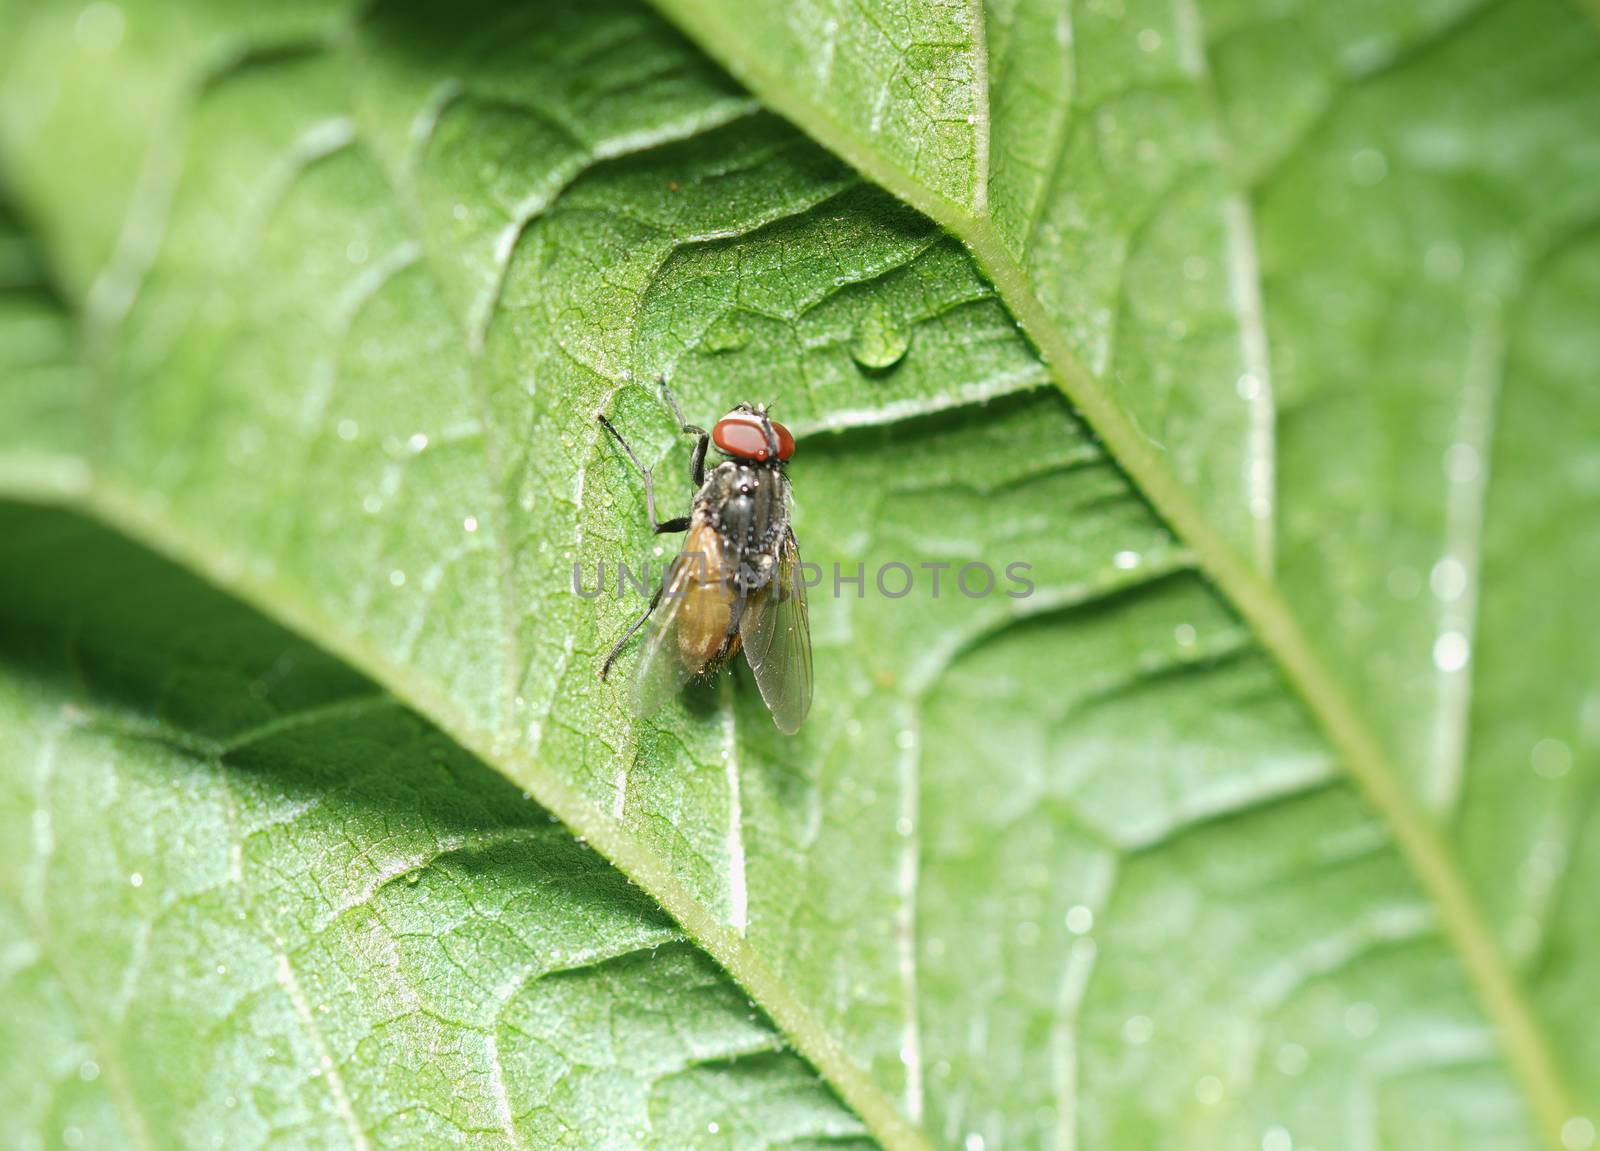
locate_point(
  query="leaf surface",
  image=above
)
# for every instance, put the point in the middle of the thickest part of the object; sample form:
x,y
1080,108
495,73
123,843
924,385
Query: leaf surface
x,y
1073,868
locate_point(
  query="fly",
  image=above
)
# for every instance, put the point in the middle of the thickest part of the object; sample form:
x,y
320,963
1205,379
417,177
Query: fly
x,y
735,584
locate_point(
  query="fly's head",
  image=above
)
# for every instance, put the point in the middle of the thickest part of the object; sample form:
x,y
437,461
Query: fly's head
x,y
749,433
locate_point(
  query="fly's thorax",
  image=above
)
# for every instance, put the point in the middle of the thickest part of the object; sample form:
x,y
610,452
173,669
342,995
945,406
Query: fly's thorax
x,y
748,505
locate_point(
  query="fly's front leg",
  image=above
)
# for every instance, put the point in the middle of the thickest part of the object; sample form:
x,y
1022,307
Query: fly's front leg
x,y
616,648
677,523
697,459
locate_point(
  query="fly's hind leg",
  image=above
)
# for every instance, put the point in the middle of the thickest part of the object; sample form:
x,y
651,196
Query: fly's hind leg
x,y
677,523
616,648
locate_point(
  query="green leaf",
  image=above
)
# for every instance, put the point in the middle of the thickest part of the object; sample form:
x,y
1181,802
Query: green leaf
x,y
1075,868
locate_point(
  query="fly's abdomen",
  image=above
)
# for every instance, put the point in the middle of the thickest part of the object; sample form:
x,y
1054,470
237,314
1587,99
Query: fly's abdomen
x,y
703,623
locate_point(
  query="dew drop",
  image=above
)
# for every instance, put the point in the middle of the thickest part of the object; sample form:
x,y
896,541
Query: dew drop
x,y
1080,920
1138,1029
1551,758
397,578
1368,167
713,1127
348,430
1185,635
1451,651
1291,1059
88,1071
973,1142
1577,1134
1361,1019
1149,40
136,879
417,442
470,523
1277,1139
879,342
1126,561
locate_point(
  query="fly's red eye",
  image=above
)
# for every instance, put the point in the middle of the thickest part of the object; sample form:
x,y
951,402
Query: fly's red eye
x,y
785,441
741,434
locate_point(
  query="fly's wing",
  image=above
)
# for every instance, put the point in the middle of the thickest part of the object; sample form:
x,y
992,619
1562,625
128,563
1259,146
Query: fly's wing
x,y
777,641
685,637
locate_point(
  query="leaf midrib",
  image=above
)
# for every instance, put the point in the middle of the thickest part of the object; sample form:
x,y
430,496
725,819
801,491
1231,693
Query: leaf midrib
x,y
1256,599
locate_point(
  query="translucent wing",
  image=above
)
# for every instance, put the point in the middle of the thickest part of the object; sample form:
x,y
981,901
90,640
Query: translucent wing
x,y
694,625
777,641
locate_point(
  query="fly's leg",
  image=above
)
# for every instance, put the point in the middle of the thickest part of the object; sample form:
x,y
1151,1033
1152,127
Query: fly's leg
x,y
735,618
697,460
677,523
616,648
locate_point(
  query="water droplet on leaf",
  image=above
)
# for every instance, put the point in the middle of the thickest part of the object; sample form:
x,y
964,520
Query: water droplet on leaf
x,y
880,343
